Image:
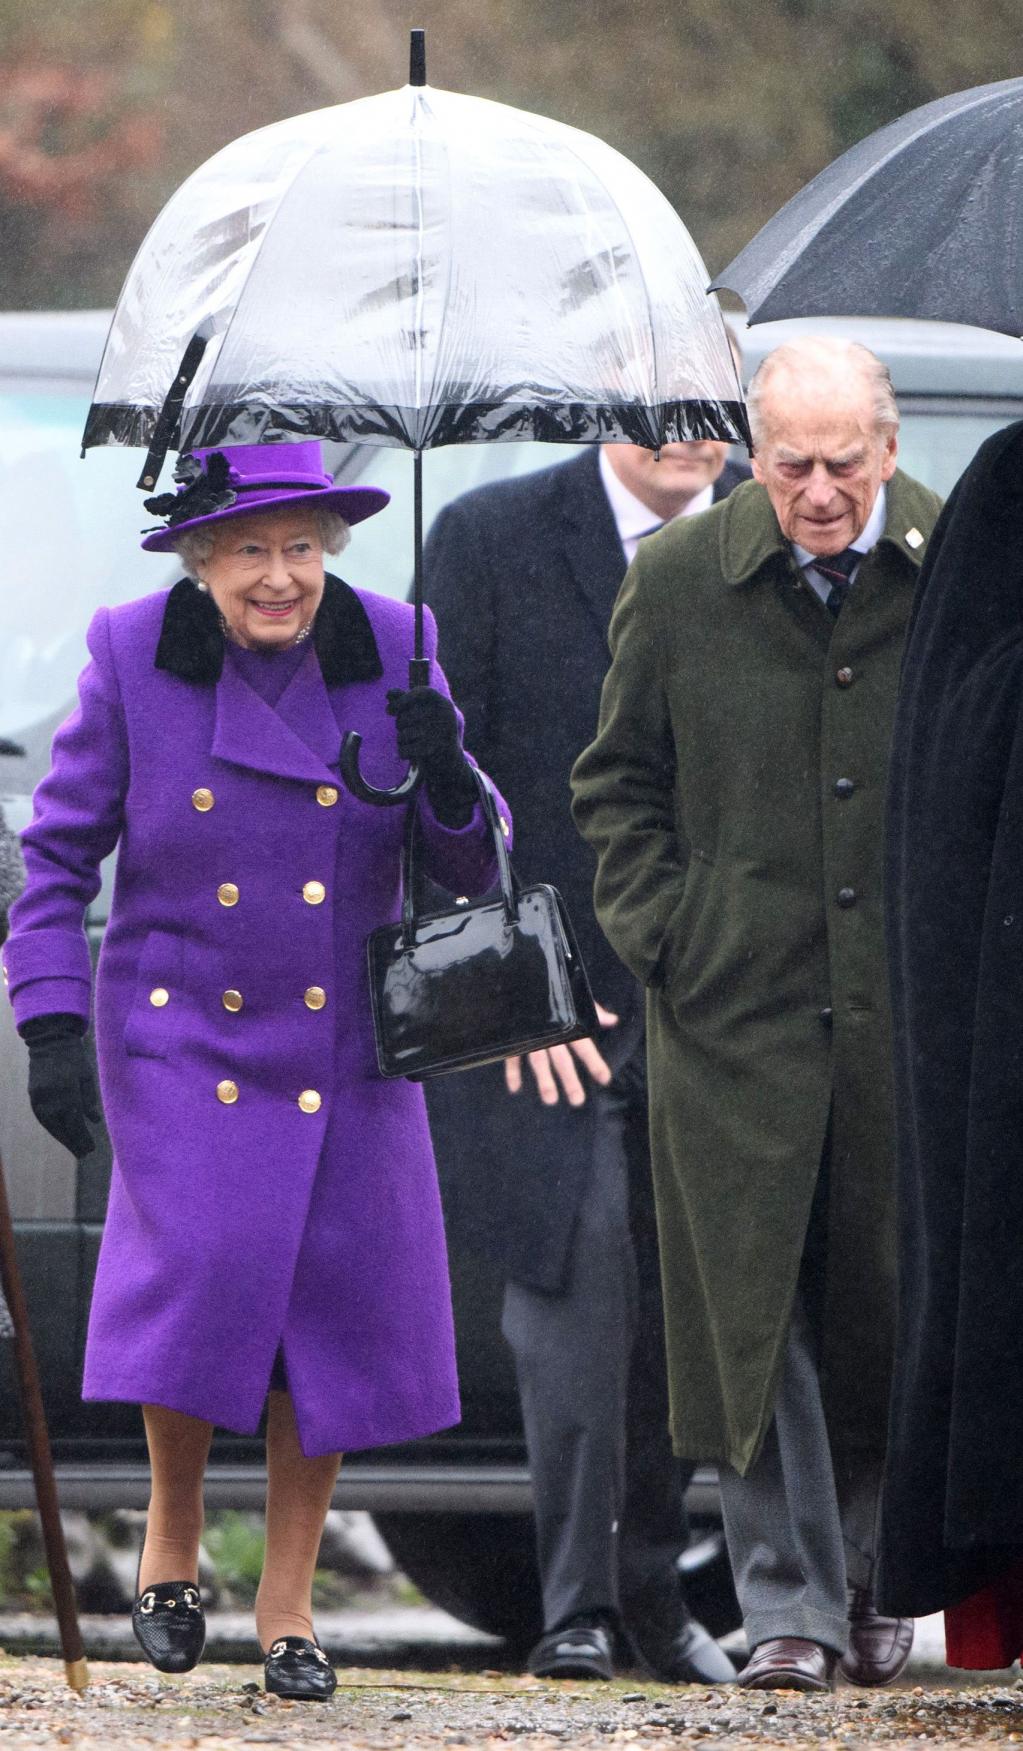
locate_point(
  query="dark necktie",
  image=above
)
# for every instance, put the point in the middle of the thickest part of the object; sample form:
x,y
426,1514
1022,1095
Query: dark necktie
x,y
837,568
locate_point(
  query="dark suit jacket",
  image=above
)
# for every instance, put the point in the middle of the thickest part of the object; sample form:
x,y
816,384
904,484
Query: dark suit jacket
x,y
522,577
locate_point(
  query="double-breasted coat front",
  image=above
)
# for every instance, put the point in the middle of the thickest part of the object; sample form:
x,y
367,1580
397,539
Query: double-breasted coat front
x,y
735,797
269,1187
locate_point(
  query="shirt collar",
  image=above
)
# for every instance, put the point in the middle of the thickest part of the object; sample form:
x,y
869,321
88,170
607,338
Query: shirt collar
x,y
632,517
869,535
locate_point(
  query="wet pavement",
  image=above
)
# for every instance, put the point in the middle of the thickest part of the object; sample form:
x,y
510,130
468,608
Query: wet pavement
x,y
224,1707
414,1677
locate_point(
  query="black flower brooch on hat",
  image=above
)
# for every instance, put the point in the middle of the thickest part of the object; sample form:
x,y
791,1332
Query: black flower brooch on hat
x,y
205,490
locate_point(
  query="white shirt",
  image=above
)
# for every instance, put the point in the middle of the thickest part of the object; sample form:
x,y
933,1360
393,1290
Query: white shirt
x,y
869,536
634,519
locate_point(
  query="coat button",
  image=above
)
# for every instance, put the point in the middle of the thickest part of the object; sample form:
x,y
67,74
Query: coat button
x,y
227,894
505,829
202,800
315,997
846,897
309,1101
232,1000
844,677
844,787
326,796
313,893
227,1092
159,997
825,1016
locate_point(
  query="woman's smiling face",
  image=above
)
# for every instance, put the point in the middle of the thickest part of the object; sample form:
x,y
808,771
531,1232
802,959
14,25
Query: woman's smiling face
x,y
265,574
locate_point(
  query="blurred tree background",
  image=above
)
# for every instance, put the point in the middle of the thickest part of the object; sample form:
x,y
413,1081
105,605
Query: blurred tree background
x,y
106,105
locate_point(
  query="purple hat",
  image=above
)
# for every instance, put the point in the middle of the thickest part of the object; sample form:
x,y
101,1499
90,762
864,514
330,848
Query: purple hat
x,y
238,479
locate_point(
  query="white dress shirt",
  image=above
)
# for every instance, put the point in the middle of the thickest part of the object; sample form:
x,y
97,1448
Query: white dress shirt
x,y
634,519
869,536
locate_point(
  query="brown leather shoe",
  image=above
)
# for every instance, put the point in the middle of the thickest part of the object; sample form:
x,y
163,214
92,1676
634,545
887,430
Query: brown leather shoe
x,y
789,1663
878,1646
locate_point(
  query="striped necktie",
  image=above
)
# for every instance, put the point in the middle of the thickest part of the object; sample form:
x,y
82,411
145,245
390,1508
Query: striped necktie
x,y
837,569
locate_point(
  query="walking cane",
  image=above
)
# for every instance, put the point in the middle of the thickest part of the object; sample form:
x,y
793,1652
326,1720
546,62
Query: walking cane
x,y
38,1438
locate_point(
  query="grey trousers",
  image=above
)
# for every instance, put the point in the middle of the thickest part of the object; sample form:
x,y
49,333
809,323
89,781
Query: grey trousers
x,y
609,1495
798,1535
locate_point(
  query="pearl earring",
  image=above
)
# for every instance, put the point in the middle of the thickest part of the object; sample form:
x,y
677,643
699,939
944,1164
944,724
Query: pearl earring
x,y
205,588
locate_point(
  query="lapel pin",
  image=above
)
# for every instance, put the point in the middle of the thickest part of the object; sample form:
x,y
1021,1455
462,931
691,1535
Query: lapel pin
x,y
914,538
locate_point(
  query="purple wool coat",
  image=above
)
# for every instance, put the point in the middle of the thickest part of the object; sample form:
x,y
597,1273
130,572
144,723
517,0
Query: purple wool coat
x,y
269,1187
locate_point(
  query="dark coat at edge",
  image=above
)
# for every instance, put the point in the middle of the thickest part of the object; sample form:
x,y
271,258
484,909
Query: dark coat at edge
x,y
522,577
953,1504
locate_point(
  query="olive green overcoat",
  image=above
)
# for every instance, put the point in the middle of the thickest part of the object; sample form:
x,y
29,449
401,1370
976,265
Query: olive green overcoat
x,y
735,798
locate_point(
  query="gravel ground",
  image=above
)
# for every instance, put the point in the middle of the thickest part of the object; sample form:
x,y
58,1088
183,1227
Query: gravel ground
x,y
224,1706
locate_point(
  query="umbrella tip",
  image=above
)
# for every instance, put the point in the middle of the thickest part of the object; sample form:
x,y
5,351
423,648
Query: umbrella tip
x,y
417,57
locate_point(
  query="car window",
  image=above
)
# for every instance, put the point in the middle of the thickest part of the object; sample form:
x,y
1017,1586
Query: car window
x,y
70,543
935,447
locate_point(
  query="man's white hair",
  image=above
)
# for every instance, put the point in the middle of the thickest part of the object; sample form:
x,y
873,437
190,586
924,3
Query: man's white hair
x,y
194,546
816,357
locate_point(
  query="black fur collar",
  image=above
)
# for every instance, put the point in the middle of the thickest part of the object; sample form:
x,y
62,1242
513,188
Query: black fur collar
x,y
192,645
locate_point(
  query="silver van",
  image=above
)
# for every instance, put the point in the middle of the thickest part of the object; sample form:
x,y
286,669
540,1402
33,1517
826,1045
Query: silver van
x,y
455,1509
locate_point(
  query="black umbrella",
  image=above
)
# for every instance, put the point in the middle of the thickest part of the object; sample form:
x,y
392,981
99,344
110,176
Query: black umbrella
x,y
415,269
923,218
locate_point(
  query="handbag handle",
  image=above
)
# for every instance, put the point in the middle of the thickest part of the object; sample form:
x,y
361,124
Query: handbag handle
x,y
506,875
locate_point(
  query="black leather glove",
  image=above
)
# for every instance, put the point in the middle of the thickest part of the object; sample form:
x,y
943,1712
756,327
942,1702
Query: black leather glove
x,y
61,1086
427,728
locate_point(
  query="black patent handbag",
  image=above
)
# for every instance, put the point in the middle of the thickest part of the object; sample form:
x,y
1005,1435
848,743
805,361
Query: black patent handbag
x,y
484,980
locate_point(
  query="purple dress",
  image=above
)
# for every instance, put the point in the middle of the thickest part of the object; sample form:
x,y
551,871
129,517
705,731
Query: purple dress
x,y
270,1190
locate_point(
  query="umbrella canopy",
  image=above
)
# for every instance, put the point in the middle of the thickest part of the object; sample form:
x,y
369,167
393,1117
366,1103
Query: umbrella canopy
x,y
415,269
920,219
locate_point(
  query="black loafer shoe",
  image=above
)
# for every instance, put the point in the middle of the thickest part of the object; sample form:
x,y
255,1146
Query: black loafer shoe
x,y
582,1648
300,1669
170,1625
689,1656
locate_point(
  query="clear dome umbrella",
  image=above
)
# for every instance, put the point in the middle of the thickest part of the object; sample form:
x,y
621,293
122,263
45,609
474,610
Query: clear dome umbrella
x,y
415,269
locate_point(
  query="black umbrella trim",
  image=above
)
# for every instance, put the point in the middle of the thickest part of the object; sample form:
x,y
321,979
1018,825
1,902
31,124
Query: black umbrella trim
x,y
246,422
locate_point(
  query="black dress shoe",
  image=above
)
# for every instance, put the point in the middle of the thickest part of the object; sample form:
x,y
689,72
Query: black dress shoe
x,y
684,1653
300,1669
879,1647
582,1648
170,1625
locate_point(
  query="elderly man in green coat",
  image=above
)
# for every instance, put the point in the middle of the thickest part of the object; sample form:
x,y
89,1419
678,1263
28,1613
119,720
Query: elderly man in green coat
x,y
735,795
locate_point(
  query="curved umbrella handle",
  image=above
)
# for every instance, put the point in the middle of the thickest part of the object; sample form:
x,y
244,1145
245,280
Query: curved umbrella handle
x,y
360,787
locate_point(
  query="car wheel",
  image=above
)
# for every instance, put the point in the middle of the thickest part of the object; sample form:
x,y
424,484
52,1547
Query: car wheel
x,y
479,1567
482,1569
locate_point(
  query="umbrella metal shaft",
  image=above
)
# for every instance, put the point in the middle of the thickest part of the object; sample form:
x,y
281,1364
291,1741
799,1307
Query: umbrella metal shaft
x,y
419,667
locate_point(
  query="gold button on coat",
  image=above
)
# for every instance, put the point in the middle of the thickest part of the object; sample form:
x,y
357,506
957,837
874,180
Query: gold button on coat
x,y
313,893
232,1000
315,997
159,997
227,1092
202,800
227,894
326,796
309,1101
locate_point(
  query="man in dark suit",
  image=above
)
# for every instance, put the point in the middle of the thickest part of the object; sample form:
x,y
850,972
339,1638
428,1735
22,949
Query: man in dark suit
x,y
547,1175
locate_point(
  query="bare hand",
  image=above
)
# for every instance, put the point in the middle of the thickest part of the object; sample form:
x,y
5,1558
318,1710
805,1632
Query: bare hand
x,y
556,1064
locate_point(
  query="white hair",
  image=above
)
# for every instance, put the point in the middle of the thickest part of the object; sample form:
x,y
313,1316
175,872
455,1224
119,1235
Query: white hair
x,y
823,356
194,546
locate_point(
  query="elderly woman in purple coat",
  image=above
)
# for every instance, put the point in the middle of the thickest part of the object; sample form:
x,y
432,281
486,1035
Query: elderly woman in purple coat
x,y
274,1232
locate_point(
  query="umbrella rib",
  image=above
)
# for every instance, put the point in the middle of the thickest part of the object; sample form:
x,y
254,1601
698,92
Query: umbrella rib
x,y
623,302
192,394
846,194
